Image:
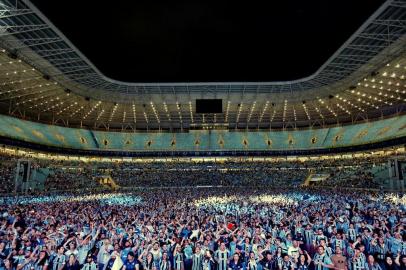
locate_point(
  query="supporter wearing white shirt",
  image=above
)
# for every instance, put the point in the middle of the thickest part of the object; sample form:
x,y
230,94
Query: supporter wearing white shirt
x,y
104,253
72,247
294,250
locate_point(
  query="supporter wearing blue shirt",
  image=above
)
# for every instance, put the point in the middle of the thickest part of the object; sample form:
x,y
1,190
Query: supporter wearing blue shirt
x,y
127,248
130,262
236,263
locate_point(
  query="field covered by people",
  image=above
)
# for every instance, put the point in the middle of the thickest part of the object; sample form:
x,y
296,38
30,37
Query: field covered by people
x,y
204,229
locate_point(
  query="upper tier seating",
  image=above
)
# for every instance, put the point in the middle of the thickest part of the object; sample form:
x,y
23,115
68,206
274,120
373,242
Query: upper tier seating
x,y
350,135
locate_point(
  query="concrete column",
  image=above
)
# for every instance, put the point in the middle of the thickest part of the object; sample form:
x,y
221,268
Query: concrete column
x,y
16,176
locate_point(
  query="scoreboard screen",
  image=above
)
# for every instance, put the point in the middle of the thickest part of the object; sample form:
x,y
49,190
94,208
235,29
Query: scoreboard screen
x,y
208,106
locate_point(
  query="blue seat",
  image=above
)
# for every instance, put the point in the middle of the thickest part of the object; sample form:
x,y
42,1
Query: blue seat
x,y
201,140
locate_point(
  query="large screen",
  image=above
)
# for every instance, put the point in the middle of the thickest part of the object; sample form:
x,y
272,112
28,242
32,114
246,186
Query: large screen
x,y
209,106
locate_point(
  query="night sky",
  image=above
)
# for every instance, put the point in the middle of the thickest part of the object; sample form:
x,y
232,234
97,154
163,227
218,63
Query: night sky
x,y
202,41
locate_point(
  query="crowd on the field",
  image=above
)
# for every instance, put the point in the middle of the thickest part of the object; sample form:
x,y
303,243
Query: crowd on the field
x,y
205,229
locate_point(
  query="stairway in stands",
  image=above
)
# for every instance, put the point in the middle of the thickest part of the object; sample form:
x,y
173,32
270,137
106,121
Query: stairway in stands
x,y
107,182
38,177
381,175
306,182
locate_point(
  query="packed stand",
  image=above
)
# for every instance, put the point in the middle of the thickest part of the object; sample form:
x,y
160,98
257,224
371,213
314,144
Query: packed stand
x,y
67,179
71,175
204,175
7,175
358,177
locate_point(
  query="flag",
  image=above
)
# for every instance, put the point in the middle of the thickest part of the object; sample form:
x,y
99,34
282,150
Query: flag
x,y
118,263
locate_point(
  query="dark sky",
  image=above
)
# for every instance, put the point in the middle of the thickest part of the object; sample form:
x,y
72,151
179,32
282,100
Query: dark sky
x,y
190,41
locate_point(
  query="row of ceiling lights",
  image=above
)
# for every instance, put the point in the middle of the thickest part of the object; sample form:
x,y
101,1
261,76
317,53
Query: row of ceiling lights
x,y
359,99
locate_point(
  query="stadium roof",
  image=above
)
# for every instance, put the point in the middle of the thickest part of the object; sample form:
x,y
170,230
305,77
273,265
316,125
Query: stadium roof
x,y
208,41
45,77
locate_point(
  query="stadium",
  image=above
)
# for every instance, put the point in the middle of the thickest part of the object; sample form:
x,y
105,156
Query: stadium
x,y
200,136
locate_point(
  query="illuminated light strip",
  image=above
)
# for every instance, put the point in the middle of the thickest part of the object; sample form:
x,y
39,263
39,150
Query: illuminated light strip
x,y
31,93
227,110
397,85
239,112
251,111
15,72
319,112
134,114
75,112
306,111
348,102
66,108
155,112
55,106
386,80
361,95
343,108
179,112
263,111
22,81
124,114
167,111
29,100
191,111
273,115
328,108
22,89
91,110
100,115
285,106
113,112
371,98
39,99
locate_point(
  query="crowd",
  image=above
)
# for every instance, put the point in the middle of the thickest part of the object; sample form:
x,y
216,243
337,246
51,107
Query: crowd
x,y
68,175
76,179
204,175
7,174
349,173
359,176
205,229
